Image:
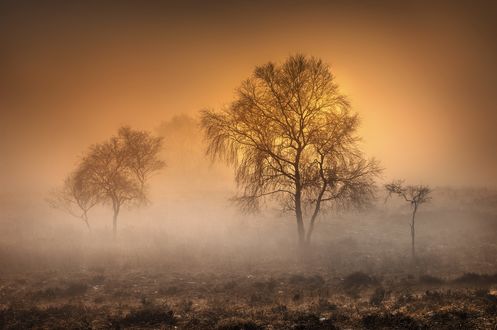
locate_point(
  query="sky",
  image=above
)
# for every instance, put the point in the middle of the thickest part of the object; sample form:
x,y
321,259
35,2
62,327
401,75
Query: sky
x,y
422,76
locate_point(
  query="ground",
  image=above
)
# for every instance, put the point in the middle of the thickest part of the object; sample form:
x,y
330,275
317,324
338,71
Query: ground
x,y
131,299
357,273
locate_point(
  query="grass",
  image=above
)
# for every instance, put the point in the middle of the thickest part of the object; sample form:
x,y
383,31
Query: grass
x,y
231,301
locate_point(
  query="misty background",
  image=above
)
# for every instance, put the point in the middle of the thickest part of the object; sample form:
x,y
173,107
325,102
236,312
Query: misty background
x,y
422,77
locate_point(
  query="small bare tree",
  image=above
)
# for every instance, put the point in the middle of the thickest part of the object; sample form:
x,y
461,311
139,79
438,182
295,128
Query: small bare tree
x,y
75,197
290,134
113,172
119,168
415,195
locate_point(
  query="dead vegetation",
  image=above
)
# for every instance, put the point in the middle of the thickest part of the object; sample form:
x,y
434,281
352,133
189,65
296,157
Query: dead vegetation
x,y
314,300
359,276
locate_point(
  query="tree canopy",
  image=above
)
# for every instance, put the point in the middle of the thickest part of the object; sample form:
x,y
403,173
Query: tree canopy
x,y
114,172
290,134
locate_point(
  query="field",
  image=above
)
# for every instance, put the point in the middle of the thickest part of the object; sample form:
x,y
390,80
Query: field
x,y
356,275
98,299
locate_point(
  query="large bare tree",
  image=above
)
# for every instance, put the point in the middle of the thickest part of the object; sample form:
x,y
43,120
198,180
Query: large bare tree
x,y
415,195
116,171
291,135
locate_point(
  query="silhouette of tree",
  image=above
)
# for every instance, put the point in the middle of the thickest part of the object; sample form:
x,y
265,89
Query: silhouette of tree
x,y
116,172
416,195
75,197
142,151
290,134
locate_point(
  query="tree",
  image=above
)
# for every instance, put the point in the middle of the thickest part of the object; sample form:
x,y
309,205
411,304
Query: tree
x,y
416,195
290,135
75,197
116,171
142,150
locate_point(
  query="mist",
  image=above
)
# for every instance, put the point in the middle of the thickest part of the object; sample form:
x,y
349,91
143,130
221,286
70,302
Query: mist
x,y
420,77
190,217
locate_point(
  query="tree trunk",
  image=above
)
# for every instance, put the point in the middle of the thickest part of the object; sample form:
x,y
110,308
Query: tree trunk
x,y
311,229
85,219
317,208
116,207
413,234
300,220
298,202
114,225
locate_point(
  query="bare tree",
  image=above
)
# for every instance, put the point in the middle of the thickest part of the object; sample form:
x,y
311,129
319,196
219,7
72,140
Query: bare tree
x,y
75,197
116,171
290,135
120,168
416,195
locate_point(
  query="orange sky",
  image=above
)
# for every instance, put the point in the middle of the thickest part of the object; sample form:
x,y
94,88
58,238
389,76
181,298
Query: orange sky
x,y
421,76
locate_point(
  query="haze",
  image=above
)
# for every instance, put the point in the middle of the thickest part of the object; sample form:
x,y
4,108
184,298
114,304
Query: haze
x,y
421,77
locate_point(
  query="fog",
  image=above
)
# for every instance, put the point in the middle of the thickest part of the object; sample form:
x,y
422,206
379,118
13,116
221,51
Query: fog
x,y
421,77
190,225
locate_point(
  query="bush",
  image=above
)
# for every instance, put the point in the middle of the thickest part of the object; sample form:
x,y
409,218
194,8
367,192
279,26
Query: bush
x,y
236,323
63,317
303,321
377,297
476,279
149,315
390,321
430,280
314,281
358,280
452,319
76,289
